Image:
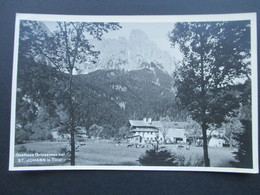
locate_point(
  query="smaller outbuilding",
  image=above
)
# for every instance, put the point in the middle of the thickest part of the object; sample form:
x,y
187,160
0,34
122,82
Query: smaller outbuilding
x,y
218,139
175,131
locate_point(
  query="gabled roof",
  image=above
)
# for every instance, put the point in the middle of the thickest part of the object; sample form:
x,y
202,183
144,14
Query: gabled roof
x,y
142,123
131,136
144,130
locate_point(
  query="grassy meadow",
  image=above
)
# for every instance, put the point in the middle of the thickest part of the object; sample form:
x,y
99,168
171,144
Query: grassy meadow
x,y
106,152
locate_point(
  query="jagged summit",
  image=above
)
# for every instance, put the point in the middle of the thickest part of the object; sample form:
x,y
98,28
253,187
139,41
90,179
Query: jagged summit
x,y
138,34
133,53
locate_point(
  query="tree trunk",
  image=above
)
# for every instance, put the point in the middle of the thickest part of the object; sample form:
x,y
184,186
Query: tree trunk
x,y
72,145
72,128
203,102
205,145
230,143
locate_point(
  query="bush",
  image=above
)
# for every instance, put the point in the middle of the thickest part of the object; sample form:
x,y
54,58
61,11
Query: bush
x,y
21,136
64,150
244,155
157,157
50,137
22,149
194,162
40,135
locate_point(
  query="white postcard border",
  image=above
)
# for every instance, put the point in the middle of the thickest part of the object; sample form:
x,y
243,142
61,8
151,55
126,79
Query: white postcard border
x,y
139,19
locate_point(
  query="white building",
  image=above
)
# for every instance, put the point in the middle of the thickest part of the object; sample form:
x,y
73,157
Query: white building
x,y
174,131
147,131
144,131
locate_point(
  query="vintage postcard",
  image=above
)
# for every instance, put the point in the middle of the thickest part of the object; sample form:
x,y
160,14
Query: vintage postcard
x,y
167,93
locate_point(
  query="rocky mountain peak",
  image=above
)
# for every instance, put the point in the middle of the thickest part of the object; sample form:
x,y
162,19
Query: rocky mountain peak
x,y
138,35
130,53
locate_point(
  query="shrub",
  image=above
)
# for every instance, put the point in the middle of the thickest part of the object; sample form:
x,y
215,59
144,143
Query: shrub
x,y
244,153
157,157
22,149
64,150
50,137
40,135
194,162
21,136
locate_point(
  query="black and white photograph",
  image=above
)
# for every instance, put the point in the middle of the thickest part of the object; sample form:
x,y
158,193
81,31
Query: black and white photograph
x,y
170,93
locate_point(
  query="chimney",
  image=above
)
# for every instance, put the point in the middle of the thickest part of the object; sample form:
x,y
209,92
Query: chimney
x,y
150,120
144,120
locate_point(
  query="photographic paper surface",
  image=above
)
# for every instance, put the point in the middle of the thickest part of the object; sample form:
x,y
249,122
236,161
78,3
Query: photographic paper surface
x,y
172,93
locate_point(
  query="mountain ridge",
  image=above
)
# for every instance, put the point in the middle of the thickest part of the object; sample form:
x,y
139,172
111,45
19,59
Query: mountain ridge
x,y
129,54
127,94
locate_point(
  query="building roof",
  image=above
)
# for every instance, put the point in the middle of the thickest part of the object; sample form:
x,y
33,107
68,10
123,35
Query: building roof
x,y
142,123
144,130
131,136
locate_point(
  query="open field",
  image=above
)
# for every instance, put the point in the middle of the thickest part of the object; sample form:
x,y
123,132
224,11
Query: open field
x,y
105,152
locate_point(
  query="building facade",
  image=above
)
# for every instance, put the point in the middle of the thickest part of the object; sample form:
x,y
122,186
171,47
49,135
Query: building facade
x,y
148,131
144,131
175,131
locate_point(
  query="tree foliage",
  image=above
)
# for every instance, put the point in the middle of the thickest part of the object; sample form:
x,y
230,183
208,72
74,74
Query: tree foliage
x,y
38,95
231,126
244,154
64,49
216,57
165,127
193,129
